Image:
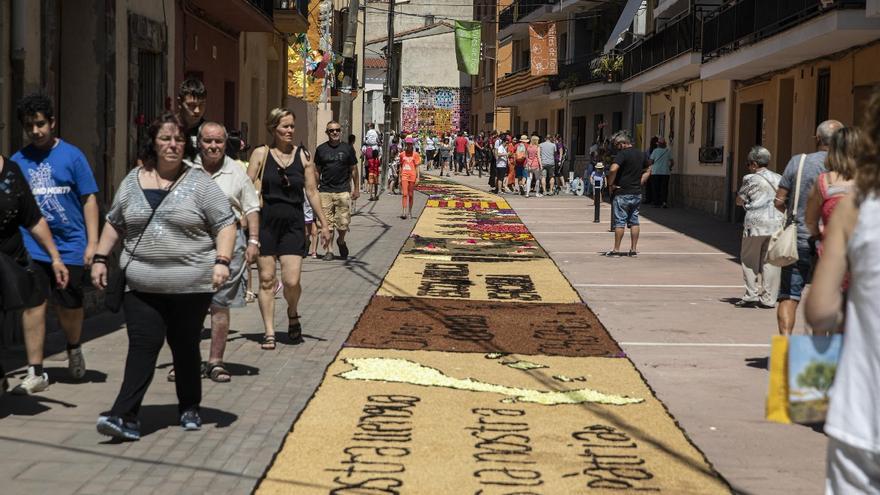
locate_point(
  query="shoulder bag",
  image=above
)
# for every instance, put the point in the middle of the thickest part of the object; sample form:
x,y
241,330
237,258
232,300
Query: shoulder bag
x,y
115,290
782,250
258,178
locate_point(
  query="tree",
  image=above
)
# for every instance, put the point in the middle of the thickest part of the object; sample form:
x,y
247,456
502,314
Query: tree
x,y
817,375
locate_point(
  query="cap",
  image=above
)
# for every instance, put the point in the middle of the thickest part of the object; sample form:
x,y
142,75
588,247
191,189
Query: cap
x,y
409,140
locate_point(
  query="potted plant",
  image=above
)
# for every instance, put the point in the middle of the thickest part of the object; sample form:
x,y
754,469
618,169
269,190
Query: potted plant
x,y
608,66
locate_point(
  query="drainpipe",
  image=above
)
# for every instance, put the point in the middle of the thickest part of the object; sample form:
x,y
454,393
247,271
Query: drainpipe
x,y
17,56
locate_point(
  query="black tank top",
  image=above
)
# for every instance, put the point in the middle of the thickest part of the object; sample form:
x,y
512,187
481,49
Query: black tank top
x,y
283,206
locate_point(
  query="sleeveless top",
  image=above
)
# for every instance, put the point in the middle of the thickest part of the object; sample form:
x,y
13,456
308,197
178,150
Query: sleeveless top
x,y
532,159
409,165
283,205
854,415
831,195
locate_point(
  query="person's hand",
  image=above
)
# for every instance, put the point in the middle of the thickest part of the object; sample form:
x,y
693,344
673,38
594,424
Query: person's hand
x,y
99,275
325,236
252,253
355,194
61,273
220,275
90,253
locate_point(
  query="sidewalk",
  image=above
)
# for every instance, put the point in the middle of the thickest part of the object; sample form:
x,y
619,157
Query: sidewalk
x,y
50,442
668,310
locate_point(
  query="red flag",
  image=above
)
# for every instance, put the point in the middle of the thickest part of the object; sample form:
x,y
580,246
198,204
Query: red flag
x,y
542,44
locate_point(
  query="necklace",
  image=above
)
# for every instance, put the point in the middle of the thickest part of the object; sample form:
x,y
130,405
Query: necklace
x,y
280,158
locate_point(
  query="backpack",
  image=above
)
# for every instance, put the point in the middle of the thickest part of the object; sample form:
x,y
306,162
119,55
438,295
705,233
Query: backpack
x,y
521,153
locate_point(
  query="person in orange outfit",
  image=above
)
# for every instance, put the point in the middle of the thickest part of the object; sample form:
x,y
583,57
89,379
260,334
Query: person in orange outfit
x,y
409,176
511,169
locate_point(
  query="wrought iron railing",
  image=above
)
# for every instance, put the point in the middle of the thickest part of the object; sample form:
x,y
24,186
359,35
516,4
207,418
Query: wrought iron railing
x,y
743,22
680,35
519,9
579,72
301,6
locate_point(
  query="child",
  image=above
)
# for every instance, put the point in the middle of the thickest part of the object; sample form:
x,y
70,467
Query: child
x,y
597,182
372,159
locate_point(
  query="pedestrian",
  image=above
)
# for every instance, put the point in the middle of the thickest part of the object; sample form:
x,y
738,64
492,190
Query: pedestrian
x,y
533,162
430,150
393,151
460,153
661,166
336,165
512,177
501,164
373,163
409,161
548,151
471,153
597,183
239,189
521,157
285,178
491,145
762,220
559,168
834,184
445,153
192,98
23,285
649,199
629,172
178,232
61,180
796,277
852,245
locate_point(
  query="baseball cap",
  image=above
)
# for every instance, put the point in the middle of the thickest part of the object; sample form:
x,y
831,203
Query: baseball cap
x,y
409,140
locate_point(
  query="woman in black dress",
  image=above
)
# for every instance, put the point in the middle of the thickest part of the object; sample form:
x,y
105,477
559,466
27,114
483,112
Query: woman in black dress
x,y
284,175
22,286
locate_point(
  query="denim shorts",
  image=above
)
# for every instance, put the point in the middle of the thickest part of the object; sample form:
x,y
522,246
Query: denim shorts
x,y
625,210
796,276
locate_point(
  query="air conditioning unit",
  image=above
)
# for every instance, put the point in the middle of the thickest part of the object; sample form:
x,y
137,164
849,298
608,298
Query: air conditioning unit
x,y
712,154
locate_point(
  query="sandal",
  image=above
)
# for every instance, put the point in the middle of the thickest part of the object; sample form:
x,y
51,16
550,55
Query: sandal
x,y
268,343
294,330
216,372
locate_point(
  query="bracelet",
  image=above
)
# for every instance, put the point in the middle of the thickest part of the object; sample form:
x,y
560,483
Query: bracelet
x,y
254,241
100,258
221,261
101,261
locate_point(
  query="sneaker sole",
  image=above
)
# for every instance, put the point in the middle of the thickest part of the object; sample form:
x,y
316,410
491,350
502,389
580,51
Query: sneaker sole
x,y
111,430
191,427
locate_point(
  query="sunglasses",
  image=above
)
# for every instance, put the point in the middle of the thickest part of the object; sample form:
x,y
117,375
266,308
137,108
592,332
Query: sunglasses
x,y
333,130
282,177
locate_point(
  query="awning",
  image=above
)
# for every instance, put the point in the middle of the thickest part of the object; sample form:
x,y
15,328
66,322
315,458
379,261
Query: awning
x,y
626,18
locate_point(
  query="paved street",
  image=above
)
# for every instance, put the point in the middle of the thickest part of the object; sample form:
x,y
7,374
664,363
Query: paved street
x,y
704,359
50,440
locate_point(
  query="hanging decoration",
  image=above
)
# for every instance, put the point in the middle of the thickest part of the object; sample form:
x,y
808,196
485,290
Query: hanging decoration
x,y
542,44
311,61
467,46
436,110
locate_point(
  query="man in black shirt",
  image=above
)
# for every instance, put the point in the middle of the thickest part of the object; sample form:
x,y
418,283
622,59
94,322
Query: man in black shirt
x,y
629,171
191,99
336,163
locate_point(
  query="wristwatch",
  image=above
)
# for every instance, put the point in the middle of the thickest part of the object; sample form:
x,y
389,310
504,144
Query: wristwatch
x,y
255,242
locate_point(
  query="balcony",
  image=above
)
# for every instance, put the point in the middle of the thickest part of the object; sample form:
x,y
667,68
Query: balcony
x,y
519,10
746,38
291,16
235,15
681,35
520,85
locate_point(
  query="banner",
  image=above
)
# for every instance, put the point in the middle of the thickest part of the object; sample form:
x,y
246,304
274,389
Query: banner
x,y
467,46
542,41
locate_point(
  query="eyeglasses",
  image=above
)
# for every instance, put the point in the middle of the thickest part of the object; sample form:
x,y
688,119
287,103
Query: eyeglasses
x,y
334,130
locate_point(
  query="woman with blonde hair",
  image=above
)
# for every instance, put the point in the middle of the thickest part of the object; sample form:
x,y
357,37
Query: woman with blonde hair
x,y
285,177
852,244
533,166
834,184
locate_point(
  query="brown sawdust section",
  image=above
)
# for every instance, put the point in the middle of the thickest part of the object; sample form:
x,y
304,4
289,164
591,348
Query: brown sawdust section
x,y
479,326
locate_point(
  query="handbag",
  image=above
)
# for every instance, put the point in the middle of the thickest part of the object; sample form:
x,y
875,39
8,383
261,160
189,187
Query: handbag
x,y
115,290
802,369
782,248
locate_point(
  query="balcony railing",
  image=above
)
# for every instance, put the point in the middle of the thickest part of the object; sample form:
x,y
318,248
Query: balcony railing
x,y
743,22
518,82
264,6
301,6
519,9
680,35
578,72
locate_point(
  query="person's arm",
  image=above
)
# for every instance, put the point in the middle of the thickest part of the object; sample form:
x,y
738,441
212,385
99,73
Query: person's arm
x,y
355,178
814,211
824,303
311,179
40,231
253,226
258,156
781,199
109,238
611,178
90,213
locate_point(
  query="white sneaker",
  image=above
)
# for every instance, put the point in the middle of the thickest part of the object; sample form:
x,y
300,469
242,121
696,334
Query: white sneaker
x,y
539,195
32,384
76,363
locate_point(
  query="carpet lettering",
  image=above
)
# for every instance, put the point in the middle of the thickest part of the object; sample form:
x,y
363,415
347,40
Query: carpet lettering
x,y
612,460
445,280
512,287
503,452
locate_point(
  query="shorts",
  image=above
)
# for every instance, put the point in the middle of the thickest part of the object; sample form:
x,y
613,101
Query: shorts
x,y
625,210
231,294
20,287
337,209
70,297
282,232
372,178
501,172
796,276
522,172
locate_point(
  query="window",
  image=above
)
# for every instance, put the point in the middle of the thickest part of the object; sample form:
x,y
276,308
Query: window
x,y
715,129
562,47
616,121
598,127
560,122
541,127
490,118
711,116
516,124
823,90
579,135
525,127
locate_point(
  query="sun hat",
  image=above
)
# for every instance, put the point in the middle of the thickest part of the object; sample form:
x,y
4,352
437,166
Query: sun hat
x,y
599,166
524,139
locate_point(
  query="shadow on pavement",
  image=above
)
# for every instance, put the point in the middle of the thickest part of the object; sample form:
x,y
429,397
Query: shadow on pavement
x,y
158,417
721,235
28,405
761,363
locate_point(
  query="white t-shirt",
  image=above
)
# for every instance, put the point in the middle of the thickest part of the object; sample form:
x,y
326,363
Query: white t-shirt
x,y
372,137
501,153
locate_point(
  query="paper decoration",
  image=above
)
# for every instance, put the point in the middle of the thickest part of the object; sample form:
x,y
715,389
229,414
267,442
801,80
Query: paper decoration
x,y
542,42
434,109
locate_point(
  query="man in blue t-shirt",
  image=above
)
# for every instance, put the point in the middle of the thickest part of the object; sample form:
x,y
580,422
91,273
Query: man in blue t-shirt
x,y
64,187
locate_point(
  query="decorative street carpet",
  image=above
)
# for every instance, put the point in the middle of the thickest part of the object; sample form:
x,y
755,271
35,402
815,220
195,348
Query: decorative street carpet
x,y
477,369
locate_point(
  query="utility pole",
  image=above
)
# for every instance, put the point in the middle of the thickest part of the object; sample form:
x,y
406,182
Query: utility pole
x,y
345,104
387,97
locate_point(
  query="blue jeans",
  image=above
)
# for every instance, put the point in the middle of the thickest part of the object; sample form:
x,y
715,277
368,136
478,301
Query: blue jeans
x,y
625,210
796,276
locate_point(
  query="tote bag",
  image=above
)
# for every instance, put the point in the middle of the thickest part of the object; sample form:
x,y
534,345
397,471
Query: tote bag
x,y
782,249
802,369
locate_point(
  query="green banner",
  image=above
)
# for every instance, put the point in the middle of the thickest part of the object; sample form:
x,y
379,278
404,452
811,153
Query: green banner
x,y
467,46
